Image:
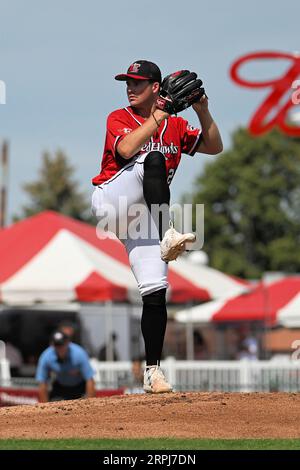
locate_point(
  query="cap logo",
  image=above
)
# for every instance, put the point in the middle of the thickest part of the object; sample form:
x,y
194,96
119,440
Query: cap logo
x,y
134,68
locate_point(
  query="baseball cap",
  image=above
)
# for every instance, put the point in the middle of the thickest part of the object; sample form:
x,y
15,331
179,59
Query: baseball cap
x,y
141,70
59,339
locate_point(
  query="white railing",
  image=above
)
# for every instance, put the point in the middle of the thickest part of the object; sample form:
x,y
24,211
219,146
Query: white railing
x,y
234,376
111,374
4,366
223,376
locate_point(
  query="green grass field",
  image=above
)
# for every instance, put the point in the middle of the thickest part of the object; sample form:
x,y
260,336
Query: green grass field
x,y
150,444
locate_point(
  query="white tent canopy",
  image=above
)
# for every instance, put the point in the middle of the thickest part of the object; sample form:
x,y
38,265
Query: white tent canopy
x,y
289,315
51,258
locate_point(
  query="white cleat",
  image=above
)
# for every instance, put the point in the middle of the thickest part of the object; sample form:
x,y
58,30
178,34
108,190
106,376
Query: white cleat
x,y
173,243
155,381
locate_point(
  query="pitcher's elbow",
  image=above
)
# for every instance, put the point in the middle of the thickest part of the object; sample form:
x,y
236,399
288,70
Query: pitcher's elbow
x,y
124,152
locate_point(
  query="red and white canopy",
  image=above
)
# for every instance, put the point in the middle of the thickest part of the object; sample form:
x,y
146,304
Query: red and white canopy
x,y
278,302
53,258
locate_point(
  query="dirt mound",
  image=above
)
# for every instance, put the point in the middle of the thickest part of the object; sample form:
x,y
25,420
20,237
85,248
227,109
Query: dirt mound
x,y
188,415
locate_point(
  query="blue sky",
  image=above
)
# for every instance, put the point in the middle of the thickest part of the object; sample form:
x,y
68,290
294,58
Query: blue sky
x,y
58,60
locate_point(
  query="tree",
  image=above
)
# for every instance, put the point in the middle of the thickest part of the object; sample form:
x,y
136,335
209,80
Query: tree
x,y
252,205
56,190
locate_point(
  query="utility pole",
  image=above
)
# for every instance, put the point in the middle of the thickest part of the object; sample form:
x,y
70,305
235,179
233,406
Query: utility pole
x,y
3,184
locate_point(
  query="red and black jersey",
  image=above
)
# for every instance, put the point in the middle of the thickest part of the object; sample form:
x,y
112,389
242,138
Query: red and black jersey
x,y
174,137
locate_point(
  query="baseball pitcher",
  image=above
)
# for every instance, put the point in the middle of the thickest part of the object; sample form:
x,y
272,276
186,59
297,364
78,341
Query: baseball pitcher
x,y
143,147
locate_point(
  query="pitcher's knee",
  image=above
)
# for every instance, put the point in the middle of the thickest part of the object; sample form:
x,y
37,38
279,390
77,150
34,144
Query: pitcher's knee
x,y
157,297
155,161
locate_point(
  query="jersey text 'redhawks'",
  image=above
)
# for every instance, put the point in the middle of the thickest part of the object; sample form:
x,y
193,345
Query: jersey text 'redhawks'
x,y
174,137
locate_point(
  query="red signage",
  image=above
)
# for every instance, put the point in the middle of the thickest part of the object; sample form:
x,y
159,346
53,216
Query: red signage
x,y
275,102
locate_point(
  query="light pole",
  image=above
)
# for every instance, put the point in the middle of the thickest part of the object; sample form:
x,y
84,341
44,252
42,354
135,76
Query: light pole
x,y
3,184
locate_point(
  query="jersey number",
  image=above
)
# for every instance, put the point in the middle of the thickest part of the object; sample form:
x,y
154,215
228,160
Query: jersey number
x,y
170,175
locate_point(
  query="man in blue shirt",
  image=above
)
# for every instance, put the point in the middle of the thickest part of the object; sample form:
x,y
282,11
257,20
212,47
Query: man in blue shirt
x,y
67,365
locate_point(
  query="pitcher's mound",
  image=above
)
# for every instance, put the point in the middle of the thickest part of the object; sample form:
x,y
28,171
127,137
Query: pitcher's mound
x,y
185,415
